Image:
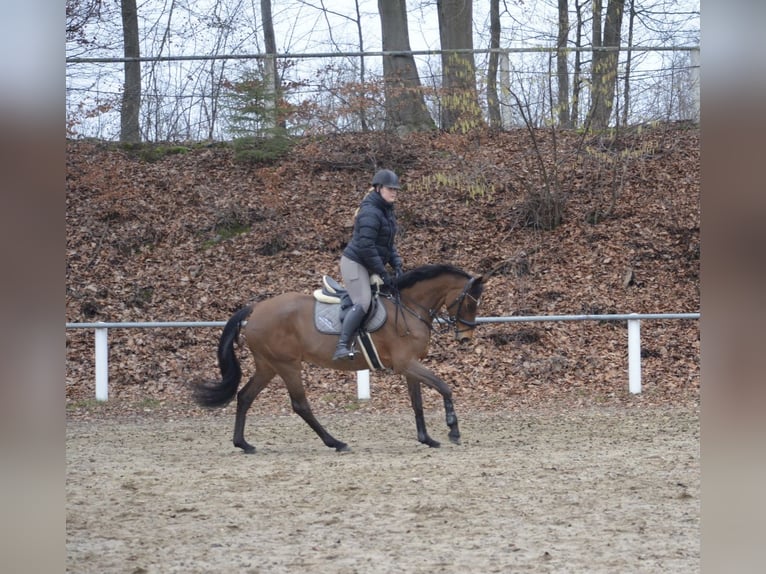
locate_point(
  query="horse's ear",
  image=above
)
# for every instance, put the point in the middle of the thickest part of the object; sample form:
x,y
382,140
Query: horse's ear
x,y
476,284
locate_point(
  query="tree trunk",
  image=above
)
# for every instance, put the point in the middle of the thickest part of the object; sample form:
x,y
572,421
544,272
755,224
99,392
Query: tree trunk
x,y
493,99
605,66
577,74
562,68
597,9
270,74
362,67
405,107
460,109
131,94
628,64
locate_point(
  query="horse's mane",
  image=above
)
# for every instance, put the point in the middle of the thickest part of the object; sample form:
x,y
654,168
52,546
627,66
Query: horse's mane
x,y
424,272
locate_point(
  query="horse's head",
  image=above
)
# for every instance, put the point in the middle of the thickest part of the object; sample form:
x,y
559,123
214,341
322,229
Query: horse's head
x,y
462,310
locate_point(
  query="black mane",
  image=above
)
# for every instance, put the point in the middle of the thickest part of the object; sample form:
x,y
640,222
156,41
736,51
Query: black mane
x,y
424,272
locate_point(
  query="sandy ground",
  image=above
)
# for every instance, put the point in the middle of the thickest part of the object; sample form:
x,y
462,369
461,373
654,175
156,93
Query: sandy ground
x,y
611,490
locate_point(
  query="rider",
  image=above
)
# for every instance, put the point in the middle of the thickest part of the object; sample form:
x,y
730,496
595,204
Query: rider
x,y
370,249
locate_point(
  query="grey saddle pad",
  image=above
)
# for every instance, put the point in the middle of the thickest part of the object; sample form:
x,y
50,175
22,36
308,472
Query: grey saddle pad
x,y
327,318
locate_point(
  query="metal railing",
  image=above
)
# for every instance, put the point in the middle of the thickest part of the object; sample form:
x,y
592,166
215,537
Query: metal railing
x,y
664,85
363,377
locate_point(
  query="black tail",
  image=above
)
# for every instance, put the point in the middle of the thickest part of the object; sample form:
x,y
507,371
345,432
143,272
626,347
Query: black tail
x,y
219,394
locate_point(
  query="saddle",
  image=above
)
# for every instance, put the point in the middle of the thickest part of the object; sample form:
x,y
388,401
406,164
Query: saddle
x,y
333,301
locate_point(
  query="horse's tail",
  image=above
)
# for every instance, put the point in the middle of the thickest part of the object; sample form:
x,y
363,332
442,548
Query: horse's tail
x,y
218,394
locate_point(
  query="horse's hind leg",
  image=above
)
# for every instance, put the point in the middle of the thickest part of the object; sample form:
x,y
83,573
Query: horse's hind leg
x,y
245,398
292,377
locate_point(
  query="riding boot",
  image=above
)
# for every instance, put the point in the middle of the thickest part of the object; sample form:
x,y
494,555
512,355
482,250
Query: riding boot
x,y
351,323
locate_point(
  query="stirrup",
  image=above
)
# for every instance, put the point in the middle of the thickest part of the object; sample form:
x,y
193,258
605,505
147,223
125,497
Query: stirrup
x,y
343,353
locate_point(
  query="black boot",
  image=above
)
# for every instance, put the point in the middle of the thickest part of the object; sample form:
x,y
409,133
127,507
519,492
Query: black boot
x,y
350,325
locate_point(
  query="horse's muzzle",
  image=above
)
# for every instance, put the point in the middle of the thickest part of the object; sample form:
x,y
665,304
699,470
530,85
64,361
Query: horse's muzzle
x,y
464,337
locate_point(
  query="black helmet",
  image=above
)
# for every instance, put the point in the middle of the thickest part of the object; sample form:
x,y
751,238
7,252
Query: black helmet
x,y
386,177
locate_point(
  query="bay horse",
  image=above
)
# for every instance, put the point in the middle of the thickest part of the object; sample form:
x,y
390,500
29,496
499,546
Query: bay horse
x,y
281,335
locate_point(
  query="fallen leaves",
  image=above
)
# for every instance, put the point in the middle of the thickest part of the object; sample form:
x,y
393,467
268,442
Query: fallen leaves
x,y
152,242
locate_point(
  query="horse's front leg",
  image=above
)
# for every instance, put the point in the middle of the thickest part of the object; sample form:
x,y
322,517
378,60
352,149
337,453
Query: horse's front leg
x,y
417,373
416,398
451,417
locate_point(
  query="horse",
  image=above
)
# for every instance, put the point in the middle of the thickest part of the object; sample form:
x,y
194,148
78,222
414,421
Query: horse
x,y
281,334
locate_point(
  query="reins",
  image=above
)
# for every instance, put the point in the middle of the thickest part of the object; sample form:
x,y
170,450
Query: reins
x,y
451,321
396,297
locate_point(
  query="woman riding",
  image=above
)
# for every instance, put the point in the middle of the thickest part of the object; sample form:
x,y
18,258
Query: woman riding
x,y
371,248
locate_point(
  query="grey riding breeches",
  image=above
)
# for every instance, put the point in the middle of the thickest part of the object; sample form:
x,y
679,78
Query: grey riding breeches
x,y
356,279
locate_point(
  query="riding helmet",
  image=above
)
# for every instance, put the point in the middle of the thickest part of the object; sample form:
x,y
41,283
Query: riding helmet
x,y
387,178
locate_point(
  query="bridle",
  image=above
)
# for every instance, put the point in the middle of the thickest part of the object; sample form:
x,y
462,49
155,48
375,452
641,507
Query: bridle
x,y
451,320
456,320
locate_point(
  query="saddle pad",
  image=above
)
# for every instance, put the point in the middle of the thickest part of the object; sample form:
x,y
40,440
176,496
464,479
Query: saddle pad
x,y
327,318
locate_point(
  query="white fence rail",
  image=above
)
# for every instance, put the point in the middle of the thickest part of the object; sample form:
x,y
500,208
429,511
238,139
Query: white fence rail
x,y
363,377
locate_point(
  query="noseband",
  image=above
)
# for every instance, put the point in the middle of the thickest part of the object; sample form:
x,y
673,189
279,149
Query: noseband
x,y
456,320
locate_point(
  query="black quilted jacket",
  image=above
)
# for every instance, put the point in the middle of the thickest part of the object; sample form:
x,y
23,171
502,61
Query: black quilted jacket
x,y
372,243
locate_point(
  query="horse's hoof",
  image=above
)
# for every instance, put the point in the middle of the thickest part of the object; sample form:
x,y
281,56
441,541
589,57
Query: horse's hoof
x,y
343,448
454,439
246,447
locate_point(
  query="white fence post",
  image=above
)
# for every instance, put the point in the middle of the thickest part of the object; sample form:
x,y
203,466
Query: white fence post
x,y
363,385
634,355
102,364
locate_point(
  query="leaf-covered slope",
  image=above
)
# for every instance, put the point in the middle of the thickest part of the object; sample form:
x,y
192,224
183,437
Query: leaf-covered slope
x,y
195,234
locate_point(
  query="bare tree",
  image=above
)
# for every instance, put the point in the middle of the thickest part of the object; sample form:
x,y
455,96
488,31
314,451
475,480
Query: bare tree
x,y
270,74
187,99
604,70
405,107
131,94
562,67
574,116
356,95
362,65
79,13
493,98
628,63
459,103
